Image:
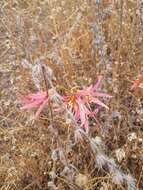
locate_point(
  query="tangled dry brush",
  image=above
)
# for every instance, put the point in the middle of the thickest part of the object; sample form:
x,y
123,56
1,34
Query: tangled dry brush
x,y
70,118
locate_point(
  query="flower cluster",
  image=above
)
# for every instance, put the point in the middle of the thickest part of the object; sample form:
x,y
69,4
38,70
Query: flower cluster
x,y
83,104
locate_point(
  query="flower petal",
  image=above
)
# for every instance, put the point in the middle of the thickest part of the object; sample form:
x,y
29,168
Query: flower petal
x,y
99,94
32,104
98,102
97,85
41,107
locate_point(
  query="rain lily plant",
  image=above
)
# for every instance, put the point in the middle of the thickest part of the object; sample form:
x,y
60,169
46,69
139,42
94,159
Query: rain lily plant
x,y
83,104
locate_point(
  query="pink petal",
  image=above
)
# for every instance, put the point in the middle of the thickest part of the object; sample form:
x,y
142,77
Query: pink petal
x,y
77,113
33,104
94,113
83,111
26,99
96,101
98,83
87,90
98,94
136,83
23,99
38,95
90,88
41,107
82,116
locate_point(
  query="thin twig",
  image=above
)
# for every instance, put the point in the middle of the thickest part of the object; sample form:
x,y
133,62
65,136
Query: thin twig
x,y
47,90
121,17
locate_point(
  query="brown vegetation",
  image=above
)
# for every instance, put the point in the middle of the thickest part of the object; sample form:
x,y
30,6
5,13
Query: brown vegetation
x,y
79,40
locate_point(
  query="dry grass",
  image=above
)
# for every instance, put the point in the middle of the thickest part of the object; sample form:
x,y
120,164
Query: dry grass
x,y
78,40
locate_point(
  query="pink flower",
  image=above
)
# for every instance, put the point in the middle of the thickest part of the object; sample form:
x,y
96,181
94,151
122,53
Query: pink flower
x,y
136,83
38,100
80,103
